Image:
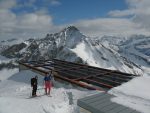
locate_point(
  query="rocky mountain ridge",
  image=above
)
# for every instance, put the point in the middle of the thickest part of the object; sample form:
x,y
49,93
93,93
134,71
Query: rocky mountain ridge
x,y
129,55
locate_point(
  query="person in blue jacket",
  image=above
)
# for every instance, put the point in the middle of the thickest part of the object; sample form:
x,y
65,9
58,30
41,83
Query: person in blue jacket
x,y
48,83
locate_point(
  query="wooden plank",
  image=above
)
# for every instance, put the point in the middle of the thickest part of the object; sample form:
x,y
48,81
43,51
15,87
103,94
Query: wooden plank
x,y
89,76
78,83
98,83
115,78
110,82
113,71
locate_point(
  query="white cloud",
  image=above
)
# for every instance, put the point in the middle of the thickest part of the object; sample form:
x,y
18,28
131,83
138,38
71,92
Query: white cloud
x,y
40,22
51,2
138,9
24,25
30,24
135,7
55,2
7,4
7,21
34,21
119,13
138,3
110,26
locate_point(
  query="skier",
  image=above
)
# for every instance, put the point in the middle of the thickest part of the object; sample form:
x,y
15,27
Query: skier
x,y
48,83
34,85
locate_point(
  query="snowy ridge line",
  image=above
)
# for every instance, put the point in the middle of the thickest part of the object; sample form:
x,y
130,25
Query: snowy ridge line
x,y
89,77
109,52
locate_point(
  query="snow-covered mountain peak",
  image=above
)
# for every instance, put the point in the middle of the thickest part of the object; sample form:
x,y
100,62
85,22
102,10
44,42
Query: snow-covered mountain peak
x,y
129,55
71,32
69,37
71,29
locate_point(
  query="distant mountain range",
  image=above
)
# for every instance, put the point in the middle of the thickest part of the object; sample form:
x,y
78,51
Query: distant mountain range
x,y
131,55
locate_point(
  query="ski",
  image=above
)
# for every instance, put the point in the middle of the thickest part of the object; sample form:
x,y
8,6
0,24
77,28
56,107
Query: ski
x,y
33,97
38,96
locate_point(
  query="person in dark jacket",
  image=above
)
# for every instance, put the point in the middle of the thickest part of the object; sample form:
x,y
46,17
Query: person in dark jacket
x,y
34,85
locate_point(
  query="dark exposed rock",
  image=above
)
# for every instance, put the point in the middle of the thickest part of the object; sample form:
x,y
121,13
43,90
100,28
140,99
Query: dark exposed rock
x,y
9,65
13,51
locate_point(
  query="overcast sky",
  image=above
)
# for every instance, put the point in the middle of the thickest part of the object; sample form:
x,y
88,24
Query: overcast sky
x,y
36,18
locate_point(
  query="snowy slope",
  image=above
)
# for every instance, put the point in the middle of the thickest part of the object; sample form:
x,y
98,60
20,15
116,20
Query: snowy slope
x,y
137,51
4,59
134,94
15,96
6,73
102,55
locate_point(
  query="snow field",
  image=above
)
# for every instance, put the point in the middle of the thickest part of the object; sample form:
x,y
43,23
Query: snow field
x,y
6,73
134,94
15,95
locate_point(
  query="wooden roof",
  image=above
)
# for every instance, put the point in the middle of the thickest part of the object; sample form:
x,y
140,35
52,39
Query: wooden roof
x,y
83,75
